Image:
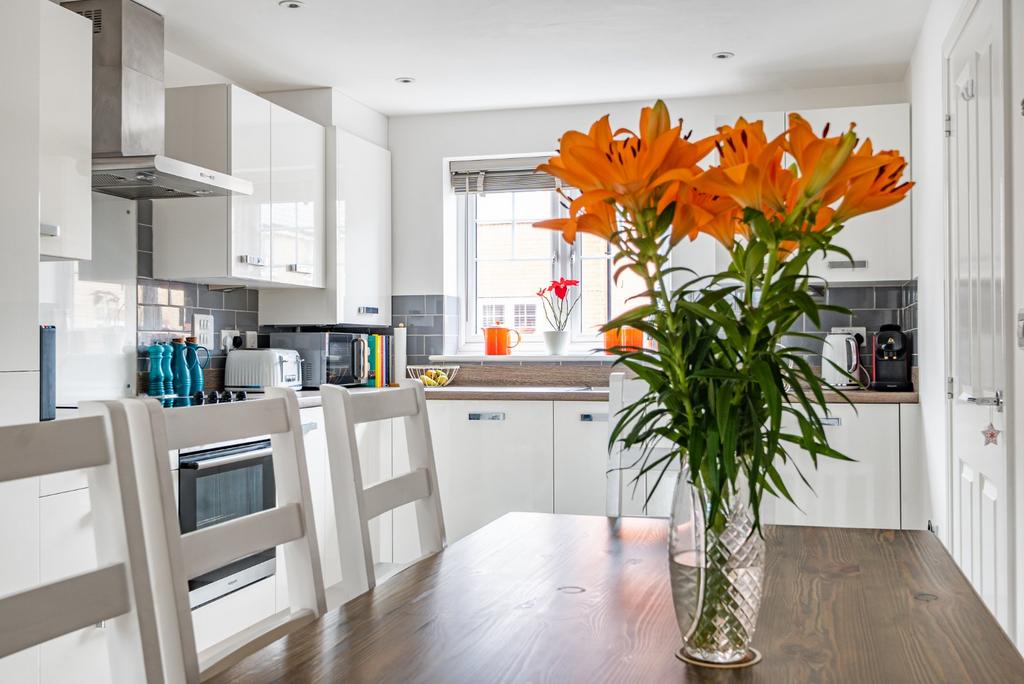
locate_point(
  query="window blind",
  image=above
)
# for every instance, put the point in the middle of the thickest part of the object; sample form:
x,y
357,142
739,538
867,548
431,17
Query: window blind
x,y
500,175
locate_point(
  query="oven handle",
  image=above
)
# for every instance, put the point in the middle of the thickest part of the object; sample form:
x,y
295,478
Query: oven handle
x,y
361,373
226,460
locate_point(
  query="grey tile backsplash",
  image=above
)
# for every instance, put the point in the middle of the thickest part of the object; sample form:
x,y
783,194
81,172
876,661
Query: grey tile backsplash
x,y
871,306
433,323
166,307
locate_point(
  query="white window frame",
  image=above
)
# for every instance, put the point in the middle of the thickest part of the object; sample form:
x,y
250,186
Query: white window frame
x,y
566,260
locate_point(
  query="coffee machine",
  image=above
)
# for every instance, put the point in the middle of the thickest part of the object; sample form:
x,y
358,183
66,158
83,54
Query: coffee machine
x,y
890,360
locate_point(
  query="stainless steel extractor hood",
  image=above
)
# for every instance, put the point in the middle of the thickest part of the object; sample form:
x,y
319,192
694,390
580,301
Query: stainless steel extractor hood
x,y
128,110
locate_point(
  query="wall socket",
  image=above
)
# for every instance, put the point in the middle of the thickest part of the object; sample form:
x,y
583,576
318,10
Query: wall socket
x,y
852,330
227,338
202,330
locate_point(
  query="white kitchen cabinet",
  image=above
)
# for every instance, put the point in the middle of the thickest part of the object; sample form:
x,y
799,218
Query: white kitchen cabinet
x,y
879,242
68,547
296,199
233,612
860,493
19,538
19,195
493,457
65,134
230,240
580,457
358,246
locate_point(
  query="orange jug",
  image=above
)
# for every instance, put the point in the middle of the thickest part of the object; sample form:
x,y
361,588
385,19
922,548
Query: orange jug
x,y
496,340
623,337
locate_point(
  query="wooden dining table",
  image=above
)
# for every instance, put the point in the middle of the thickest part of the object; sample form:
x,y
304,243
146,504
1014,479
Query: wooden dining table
x,y
536,597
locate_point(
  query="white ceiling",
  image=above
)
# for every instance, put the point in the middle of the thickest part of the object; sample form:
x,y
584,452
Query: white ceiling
x,y
489,54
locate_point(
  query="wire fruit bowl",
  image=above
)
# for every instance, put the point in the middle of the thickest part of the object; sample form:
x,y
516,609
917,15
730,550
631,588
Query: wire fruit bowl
x,y
433,376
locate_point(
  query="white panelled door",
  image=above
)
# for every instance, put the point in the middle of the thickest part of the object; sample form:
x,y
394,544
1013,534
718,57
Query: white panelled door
x,y
980,533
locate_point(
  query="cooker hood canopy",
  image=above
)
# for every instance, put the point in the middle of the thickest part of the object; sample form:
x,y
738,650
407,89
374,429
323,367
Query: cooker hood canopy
x,y
128,110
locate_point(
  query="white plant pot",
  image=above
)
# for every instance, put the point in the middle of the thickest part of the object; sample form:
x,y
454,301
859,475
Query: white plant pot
x,y
557,341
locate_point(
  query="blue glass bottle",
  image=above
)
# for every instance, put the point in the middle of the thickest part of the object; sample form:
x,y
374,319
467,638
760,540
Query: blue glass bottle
x,y
179,366
165,367
196,366
156,374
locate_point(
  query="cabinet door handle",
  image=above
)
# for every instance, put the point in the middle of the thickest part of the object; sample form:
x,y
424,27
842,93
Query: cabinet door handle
x,y
49,230
856,263
490,415
252,260
368,310
593,417
308,427
303,269
831,421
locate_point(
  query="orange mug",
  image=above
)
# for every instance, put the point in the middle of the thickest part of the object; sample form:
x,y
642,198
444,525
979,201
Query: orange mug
x,y
623,337
496,340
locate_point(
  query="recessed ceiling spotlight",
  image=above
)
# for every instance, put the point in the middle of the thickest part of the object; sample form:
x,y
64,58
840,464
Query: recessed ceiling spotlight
x,y
724,54
405,80
290,4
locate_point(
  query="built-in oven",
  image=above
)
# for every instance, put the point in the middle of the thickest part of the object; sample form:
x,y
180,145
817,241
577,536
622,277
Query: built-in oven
x,y
219,483
336,358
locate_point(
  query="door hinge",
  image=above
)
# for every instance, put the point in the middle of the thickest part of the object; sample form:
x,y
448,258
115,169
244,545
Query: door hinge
x,y
949,388
948,125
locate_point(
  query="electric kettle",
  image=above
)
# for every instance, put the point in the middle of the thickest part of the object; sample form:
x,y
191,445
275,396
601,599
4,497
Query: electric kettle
x,y
841,353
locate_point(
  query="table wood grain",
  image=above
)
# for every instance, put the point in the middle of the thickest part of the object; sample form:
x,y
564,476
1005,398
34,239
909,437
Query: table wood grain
x,y
558,598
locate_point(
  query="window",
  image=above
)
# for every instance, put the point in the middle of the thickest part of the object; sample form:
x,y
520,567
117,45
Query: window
x,y
506,260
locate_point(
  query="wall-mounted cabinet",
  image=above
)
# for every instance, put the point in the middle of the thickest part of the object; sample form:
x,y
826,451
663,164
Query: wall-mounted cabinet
x,y
65,134
358,247
272,238
879,243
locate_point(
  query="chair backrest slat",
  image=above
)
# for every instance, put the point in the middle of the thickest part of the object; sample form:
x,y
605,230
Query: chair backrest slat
x,y
390,494
354,504
196,425
216,546
54,447
52,610
374,406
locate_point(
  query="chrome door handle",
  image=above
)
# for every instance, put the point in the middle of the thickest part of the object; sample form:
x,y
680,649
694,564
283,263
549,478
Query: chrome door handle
x,y
301,269
996,400
49,230
252,260
831,421
593,417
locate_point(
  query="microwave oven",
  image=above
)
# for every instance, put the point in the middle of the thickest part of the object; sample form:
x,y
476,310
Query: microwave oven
x,y
335,358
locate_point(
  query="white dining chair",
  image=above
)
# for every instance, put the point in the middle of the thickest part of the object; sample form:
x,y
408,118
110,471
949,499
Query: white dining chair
x,y
289,525
118,593
355,503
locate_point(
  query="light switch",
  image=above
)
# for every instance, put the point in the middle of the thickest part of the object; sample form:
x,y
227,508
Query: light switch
x,y
202,330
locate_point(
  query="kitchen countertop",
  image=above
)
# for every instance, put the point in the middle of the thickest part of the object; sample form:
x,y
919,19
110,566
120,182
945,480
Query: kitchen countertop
x,y
311,398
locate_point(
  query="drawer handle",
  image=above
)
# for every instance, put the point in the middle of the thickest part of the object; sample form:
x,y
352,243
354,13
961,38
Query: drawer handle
x,y
252,260
302,269
49,230
368,310
831,421
494,415
593,417
856,263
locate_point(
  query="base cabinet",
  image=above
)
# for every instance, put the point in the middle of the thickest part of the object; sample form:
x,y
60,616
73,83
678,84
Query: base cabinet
x,y
493,457
864,492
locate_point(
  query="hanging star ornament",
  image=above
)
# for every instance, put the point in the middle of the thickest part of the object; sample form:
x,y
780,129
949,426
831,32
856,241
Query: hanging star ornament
x,y
991,435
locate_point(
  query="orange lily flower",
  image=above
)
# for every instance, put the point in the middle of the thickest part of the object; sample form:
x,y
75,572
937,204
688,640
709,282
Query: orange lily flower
x,y
750,167
620,168
875,189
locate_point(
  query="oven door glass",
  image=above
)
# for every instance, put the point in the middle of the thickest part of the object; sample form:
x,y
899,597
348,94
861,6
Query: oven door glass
x,y
346,359
219,485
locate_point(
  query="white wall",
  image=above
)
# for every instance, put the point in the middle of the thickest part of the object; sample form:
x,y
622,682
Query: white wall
x,y
420,144
180,72
924,82
1016,396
